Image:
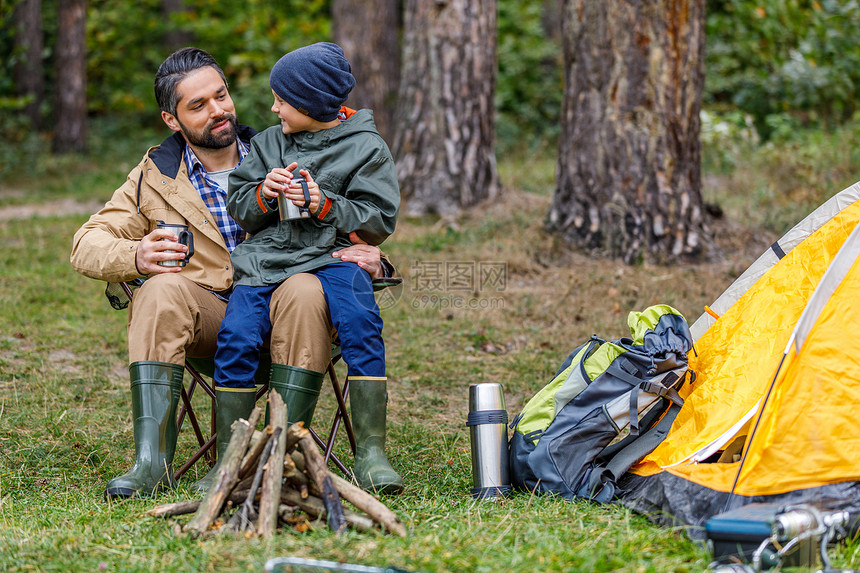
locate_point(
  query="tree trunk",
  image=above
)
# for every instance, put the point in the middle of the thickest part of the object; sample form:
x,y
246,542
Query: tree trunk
x,y
71,112
629,173
174,36
29,72
444,141
368,31
551,18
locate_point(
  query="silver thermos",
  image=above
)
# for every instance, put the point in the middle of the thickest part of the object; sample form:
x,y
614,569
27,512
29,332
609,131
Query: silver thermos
x,y
488,429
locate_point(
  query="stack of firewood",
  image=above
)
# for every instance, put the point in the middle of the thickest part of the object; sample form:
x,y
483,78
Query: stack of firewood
x,y
278,476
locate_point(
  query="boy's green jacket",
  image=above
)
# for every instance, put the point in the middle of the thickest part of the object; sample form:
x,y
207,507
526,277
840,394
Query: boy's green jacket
x,y
358,181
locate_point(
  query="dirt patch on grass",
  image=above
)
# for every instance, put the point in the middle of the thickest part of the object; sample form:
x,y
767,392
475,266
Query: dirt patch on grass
x,y
62,207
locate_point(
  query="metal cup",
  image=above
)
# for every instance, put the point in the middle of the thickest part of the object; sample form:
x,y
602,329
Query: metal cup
x,y
287,210
185,237
488,429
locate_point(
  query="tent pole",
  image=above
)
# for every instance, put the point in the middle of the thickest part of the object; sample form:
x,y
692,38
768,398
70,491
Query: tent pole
x,y
752,433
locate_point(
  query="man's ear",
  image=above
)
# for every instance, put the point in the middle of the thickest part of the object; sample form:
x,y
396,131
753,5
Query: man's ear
x,y
171,121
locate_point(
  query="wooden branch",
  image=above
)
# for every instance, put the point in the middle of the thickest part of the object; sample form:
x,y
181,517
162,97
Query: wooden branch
x,y
227,475
185,507
361,499
315,507
249,462
245,483
256,437
242,520
270,493
315,465
175,508
245,516
294,434
294,475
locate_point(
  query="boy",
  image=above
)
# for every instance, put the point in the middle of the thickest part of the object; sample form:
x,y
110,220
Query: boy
x,y
351,188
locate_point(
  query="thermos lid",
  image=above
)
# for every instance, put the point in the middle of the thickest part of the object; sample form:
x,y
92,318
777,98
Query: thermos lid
x,y
486,396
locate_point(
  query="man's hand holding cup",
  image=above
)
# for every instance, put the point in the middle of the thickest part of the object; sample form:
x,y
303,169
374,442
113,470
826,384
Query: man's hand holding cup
x,y
165,250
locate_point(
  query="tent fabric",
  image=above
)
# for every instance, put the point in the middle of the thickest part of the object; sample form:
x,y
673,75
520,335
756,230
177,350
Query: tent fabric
x,y
807,443
833,278
770,257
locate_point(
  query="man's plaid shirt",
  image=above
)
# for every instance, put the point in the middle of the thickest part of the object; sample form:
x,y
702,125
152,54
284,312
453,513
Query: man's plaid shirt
x,y
214,197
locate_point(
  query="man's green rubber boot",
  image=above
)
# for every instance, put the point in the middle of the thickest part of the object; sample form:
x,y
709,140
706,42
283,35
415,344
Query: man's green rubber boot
x,y
368,401
155,392
231,404
299,388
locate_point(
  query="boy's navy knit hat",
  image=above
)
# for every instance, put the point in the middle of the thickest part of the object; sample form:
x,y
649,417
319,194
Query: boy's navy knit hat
x,y
315,80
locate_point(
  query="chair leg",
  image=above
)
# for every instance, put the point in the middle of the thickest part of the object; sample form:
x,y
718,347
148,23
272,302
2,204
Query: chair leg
x,y
195,374
341,416
187,409
332,457
341,413
196,380
206,448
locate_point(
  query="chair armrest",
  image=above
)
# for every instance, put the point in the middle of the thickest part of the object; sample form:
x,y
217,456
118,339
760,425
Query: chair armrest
x,y
385,282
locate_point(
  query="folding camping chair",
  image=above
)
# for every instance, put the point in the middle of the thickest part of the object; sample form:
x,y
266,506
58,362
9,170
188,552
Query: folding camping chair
x,y
197,368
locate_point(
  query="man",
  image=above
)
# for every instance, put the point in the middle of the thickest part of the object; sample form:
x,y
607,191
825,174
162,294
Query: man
x,y
177,311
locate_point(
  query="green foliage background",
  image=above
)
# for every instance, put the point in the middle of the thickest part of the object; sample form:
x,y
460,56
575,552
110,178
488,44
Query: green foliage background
x,y
786,63
783,64
125,47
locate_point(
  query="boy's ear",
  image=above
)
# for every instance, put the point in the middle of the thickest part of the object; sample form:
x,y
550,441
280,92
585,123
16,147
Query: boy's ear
x,y
171,121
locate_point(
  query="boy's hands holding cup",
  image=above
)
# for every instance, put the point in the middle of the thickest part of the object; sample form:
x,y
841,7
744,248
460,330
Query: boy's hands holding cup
x,y
295,193
279,179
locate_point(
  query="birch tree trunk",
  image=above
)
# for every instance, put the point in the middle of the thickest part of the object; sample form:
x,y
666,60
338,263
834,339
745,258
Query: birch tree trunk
x,y
629,165
444,142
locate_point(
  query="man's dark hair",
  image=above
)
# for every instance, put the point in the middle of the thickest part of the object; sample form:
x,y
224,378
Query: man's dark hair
x,y
176,68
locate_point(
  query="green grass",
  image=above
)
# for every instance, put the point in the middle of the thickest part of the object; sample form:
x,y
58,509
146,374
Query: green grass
x,y
774,185
65,424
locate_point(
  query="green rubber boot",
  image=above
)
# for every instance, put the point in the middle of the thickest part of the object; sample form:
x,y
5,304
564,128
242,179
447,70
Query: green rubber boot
x,y
231,404
368,401
155,392
299,388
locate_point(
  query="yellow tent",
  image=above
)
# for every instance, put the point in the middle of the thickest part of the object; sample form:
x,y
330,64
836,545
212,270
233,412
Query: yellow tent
x,y
778,383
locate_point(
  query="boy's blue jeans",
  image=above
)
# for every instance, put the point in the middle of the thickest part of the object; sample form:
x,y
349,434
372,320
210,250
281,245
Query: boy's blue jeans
x,y
354,313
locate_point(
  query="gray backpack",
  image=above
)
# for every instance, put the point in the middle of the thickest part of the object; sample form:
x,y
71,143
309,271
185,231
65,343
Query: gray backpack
x,y
607,407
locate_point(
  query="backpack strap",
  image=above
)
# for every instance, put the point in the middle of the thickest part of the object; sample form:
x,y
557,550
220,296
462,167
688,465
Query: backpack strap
x,y
664,390
624,370
651,417
601,484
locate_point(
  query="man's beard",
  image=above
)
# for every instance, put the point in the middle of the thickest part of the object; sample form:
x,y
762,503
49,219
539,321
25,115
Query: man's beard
x,y
206,139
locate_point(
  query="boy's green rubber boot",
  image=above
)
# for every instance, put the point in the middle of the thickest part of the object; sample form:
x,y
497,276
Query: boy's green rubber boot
x,y
368,403
299,388
155,392
231,404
